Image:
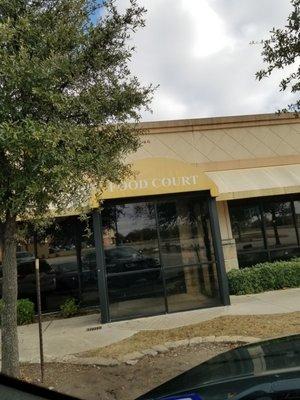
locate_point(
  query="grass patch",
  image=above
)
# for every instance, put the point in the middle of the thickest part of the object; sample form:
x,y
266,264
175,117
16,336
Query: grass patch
x,y
264,326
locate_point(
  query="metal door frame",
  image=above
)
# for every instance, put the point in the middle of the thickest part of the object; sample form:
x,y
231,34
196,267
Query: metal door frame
x,y
216,243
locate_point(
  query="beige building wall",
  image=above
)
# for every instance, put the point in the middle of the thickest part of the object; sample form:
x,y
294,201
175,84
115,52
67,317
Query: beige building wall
x,y
229,143
228,241
224,143
232,157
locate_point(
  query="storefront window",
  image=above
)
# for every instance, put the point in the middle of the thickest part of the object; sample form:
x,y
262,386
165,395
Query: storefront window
x,y
279,237
56,248
280,225
184,233
66,252
297,212
87,266
247,227
138,294
186,253
189,287
130,233
284,253
158,257
248,259
134,277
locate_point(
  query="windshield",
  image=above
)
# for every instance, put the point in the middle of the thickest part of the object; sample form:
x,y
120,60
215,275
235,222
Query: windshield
x,y
121,252
24,254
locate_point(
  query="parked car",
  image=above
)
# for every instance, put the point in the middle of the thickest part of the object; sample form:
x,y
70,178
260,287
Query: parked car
x,y
120,259
24,256
129,271
89,260
267,370
66,276
27,282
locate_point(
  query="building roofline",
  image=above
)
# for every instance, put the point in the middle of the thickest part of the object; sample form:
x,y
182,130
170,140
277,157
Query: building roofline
x,y
219,122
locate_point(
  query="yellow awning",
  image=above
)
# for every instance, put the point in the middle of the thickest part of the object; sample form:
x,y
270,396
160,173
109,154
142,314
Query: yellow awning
x,y
155,176
255,182
150,176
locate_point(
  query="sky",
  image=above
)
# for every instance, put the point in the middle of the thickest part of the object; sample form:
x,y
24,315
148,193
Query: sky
x,y
199,53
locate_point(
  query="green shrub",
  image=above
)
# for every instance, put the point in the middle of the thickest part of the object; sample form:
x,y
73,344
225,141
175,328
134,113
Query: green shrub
x,y
69,308
265,276
25,311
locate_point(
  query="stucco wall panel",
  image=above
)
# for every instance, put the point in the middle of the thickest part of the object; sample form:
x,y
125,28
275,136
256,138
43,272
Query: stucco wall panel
x,y
229,144
221,145
254,146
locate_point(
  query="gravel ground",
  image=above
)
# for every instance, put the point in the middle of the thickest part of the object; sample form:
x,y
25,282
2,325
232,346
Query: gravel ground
x,y
122,382
127,382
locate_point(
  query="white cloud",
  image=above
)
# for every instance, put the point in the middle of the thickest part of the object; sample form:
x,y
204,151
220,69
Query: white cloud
x,y
208,24
168,106
198,51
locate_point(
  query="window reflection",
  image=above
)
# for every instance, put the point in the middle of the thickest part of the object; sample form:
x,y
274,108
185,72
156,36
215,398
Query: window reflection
x,y
185,240
57,247
134,277
87,266
248,259
124,259
285,254
246,227
137,294
130,238
281,241
184,233
297,212
67,263
280,227
188,287
158,257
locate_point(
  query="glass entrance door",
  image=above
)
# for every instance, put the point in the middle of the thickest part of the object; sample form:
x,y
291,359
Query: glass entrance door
x,y
187,254
134,276
159,257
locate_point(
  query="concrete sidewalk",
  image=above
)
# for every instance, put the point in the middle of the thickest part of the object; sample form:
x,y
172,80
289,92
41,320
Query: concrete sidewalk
x,y
275,302
74,335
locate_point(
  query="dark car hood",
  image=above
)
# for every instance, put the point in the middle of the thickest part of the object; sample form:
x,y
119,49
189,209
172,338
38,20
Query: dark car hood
x,y
276,357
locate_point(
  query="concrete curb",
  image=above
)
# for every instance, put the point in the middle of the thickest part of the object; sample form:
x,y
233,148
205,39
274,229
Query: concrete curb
x,y
134,357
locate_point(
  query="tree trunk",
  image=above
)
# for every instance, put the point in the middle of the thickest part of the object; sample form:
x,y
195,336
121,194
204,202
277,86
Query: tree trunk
x,y
9,334
277,238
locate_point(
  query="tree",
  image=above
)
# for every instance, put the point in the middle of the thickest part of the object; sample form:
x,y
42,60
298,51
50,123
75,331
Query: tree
x,y
282,50
66,96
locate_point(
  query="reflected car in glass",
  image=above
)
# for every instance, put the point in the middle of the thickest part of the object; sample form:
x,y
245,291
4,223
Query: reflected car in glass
x,y
24,256
66,276
27,281
125,265
122,259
